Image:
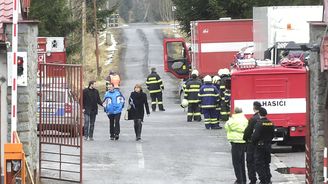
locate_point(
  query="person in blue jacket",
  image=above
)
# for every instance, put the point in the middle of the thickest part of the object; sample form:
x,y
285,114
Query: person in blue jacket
x,y
113,104
209,95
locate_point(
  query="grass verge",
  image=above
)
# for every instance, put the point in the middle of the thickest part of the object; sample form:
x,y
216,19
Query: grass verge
x,y
90,66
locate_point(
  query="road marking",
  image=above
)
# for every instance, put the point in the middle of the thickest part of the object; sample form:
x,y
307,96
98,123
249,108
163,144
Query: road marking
x,y
291,178
141,160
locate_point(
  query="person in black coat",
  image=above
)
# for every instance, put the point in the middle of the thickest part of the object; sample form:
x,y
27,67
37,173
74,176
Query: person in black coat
x,y
91,100
250,151
138,102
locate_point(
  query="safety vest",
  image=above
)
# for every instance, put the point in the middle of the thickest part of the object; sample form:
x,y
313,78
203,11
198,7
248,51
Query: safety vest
x,y
235,128
115,80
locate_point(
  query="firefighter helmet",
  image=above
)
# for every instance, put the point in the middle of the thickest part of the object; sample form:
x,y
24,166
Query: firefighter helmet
x,y
216,79
207,78
195,72
225,71
184,103
220,72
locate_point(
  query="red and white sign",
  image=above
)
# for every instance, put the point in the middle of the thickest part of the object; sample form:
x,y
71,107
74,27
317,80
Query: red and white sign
x,y
324,54
274,106
55,44
42,42
22,79
51,50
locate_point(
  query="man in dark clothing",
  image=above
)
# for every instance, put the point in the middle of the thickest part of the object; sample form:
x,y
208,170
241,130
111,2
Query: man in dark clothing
x,y
90,108
262,138
155,87
250,146
191,90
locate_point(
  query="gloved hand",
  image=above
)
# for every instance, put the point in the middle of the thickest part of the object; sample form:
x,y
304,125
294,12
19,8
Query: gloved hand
x,y
162,87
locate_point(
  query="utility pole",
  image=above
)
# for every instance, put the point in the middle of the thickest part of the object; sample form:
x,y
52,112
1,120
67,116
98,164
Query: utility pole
x,y
84,23
96,35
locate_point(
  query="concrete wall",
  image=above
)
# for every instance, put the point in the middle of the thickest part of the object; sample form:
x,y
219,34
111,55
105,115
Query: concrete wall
x,y
3,98
27,96
318,87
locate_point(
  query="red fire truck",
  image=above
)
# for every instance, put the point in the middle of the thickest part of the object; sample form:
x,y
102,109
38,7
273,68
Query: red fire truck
x,y
282,90
213,46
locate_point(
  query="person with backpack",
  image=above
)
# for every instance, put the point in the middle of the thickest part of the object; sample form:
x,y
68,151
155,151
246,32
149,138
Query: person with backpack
x,y
113,104
138,103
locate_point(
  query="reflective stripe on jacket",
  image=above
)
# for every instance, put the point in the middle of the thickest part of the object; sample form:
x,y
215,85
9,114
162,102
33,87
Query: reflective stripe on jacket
x,y
235,128
191,90
208,96
154,83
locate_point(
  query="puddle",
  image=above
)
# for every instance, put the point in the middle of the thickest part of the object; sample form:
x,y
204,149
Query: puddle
x,y
291,170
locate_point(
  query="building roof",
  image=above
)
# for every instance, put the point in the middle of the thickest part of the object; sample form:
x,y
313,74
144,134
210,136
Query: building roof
x,y
6,13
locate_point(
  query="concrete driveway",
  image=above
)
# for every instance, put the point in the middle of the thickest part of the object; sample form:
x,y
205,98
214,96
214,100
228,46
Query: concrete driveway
x,y
172,151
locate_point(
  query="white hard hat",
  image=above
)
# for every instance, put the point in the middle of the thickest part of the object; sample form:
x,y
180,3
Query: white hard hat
x,y
220,72
184,103
225,71
215,79
195,72
207,78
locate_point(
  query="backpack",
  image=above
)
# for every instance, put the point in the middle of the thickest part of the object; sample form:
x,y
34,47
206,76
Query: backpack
x,y
114,102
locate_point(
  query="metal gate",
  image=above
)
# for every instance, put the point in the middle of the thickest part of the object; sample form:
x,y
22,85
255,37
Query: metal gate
x,y
60,122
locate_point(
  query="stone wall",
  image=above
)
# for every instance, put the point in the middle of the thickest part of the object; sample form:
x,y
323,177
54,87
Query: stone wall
x,y
3,99
318,86
27,96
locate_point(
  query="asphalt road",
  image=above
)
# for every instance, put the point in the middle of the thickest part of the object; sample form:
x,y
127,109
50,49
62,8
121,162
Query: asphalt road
x,y
172,151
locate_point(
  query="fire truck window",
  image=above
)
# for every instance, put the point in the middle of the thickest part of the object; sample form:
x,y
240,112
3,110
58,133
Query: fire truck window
x,y
175,51
292,54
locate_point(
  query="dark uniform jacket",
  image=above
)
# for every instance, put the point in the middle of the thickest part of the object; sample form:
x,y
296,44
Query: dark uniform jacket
x,y
209,96
138,102
90,100
250,127
263,132
224,80
191,90
154,83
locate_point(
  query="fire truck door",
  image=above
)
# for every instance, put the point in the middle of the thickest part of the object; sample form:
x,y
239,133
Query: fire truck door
x,y
176,58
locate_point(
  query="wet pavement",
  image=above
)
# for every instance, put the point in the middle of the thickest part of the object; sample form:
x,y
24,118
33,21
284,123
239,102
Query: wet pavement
x,y
172,151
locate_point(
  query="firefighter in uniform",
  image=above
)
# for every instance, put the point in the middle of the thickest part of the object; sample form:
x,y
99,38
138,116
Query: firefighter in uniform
x,y
262,138
191,90
250,150
224,94
216,82
155,87
227,97
208,95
